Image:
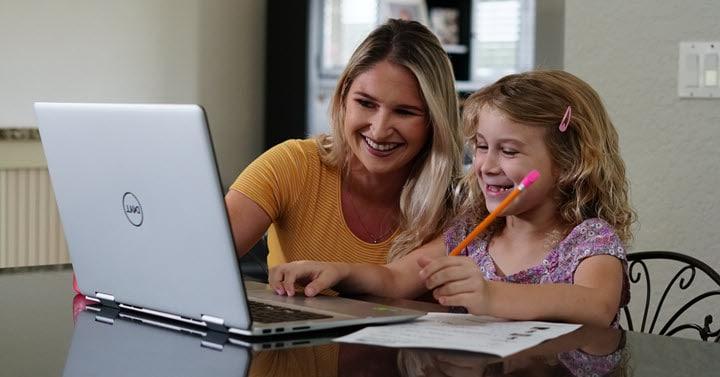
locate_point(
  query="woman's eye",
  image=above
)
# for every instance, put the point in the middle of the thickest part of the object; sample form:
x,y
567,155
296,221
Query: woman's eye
x,y
405,112
365,103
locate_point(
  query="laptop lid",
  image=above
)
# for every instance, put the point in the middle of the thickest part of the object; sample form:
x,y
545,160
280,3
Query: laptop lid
x,y
139,196
143,212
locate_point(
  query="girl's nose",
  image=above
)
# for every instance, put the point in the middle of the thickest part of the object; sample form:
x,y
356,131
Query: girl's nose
x,y
490,164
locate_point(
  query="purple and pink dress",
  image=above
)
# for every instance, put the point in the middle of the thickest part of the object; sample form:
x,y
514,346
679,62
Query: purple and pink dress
x,y
590,238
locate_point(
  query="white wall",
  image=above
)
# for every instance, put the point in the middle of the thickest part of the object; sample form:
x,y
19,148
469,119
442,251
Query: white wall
x,y
161,51
628,51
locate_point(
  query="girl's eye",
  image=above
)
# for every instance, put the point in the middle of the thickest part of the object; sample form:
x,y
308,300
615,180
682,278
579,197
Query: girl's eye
x,y
509,152
481,147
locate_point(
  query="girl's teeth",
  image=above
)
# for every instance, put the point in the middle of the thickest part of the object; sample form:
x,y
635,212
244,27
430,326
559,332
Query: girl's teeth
x,y
493,188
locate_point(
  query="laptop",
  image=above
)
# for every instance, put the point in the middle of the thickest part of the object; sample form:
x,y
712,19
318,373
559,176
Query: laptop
x,y
143,211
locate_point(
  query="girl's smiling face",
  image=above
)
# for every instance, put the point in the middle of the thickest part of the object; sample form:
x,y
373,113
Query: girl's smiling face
x,y
505,152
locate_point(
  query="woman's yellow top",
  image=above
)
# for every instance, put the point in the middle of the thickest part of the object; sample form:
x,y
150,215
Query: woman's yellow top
x,y
301,195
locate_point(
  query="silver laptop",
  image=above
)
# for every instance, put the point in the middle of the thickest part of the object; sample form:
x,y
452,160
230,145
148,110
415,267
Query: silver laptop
x,y
142,207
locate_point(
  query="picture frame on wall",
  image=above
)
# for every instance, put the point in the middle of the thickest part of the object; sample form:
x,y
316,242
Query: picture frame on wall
x,y
450,21
415,10
445,22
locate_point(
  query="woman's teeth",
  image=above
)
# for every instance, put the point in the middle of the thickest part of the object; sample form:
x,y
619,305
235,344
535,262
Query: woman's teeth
x,y
381,146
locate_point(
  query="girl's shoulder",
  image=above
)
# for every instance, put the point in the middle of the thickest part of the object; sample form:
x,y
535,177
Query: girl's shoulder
x,y
459,228
593,229
593,236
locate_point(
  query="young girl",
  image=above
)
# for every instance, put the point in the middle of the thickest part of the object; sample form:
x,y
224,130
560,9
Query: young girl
x,y
557,253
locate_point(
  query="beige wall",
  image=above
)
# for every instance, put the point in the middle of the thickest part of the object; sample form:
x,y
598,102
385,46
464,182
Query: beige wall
x,y
160,51
628,51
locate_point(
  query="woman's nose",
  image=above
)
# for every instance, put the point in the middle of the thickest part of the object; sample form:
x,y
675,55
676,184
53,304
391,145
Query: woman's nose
x,y
380,125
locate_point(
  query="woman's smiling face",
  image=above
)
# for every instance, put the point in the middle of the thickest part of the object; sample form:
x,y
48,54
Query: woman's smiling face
x,y
386,120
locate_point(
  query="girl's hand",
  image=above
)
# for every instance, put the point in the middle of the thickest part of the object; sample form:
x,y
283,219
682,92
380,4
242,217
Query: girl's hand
x,y
456,281
315,276
441,363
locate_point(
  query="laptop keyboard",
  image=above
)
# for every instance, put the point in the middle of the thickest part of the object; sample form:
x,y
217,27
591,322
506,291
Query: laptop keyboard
x,y
268,313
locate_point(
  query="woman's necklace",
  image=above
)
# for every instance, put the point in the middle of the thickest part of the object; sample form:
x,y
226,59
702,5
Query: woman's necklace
x,y
370,235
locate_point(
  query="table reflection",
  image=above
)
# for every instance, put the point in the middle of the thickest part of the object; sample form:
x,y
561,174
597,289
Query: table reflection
x,y
106,340
571,355
587,351
38,332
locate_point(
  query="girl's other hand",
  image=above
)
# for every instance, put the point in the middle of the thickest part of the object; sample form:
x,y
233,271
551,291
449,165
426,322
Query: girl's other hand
x,y
456,281
315,276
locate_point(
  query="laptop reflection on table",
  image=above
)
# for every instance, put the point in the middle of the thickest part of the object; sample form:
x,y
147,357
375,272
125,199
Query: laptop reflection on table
x,y
106,342
116,343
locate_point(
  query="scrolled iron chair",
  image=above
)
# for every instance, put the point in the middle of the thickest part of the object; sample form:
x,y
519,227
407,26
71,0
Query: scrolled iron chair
x,y
688,267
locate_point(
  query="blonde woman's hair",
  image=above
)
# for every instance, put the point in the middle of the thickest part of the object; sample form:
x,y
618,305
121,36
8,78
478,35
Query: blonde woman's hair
x,y
591,179
426,198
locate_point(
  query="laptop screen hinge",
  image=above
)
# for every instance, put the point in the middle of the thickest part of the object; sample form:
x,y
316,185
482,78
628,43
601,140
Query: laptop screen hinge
x,y
214,323
214,340
107,315
106,299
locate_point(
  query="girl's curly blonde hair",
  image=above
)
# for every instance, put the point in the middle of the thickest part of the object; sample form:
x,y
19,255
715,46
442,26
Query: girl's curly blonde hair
x,y
591,179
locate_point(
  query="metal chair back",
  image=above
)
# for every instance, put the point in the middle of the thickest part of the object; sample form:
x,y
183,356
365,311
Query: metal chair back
x,y
640,266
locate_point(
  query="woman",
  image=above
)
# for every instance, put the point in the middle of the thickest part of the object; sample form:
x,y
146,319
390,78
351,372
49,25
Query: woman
x,y
379,185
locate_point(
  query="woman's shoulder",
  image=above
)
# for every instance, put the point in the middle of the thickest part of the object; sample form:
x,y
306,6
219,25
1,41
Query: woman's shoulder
x,y
297,154
297,147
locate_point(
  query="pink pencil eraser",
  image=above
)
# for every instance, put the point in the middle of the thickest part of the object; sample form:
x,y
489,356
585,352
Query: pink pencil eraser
x,y
530,178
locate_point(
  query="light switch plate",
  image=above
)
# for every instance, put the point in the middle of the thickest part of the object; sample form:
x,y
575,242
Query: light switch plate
x,y
698,69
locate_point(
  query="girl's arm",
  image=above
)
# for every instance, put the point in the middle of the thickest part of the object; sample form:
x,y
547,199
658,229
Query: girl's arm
x,y
594,297
396,279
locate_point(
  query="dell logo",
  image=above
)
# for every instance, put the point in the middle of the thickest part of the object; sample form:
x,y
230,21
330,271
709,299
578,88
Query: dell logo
x,y
133,209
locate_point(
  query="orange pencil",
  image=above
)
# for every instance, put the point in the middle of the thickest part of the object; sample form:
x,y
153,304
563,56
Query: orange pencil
x,y
529,179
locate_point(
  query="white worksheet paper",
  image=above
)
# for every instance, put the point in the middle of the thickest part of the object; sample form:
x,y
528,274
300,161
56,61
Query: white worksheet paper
x,y
464,332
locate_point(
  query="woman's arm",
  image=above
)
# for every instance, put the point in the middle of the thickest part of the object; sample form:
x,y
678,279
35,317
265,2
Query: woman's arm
x,y
248,221
396,279
594,297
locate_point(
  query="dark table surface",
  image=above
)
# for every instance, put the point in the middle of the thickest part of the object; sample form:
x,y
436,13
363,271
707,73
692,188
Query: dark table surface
x,y
44,331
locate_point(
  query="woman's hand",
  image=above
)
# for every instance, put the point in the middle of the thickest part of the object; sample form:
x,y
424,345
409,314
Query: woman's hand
x,y
456,281
315,276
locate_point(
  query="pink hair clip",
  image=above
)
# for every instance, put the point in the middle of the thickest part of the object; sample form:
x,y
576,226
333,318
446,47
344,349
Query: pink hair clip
x,y
565,122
